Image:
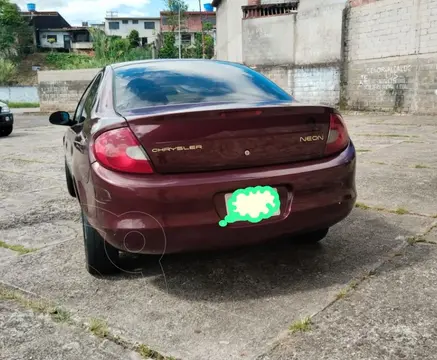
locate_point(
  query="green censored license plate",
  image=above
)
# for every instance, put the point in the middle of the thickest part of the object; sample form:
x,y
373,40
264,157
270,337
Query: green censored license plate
x,y
252,204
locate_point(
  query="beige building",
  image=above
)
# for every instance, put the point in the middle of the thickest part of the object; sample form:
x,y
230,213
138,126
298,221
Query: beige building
x,y
148,27
229,29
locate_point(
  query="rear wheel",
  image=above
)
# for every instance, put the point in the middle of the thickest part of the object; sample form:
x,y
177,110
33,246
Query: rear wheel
x,y
313,236
101,257
5,131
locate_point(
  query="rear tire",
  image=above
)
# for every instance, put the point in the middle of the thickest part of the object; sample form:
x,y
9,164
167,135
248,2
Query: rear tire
x,y
69,179
6,131
101,257
313,236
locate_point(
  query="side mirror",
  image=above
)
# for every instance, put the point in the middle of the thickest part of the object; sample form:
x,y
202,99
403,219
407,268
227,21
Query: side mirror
x,y
61,118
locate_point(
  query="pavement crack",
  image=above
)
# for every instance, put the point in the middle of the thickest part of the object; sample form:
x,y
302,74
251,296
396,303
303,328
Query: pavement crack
x,y
40,305
398,211
354,283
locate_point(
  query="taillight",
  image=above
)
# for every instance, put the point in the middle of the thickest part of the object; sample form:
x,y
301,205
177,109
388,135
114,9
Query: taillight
x,y
119,150
338,137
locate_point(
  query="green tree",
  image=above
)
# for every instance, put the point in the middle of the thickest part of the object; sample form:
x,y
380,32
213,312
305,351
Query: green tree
x,y
134,39
168,49
15,34
172,13
196,52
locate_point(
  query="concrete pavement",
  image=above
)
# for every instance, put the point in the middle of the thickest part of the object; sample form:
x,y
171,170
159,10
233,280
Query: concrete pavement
x,y
236,304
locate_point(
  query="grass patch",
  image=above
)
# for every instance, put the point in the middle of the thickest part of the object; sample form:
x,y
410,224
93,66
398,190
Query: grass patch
x,y
61,315
17,248
362,206
342,294
420,166
58,314
416,239
362,150
99,327
353,285
401,211
301,325
148,353
96,326
16,105
379,163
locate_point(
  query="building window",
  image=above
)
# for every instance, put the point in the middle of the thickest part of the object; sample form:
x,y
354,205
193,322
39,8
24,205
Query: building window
x,y
164,20
186,39
114,25
125,21
52,38
144,41
82,38
134,21
211,20
150,25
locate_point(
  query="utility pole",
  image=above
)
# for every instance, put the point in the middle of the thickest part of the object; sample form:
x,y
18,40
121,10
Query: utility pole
x,y
203,34
180,38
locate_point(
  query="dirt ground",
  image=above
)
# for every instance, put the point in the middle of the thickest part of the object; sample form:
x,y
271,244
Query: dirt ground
x,y
368,289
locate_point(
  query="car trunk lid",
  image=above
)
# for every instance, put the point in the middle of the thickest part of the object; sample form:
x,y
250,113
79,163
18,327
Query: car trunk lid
x,y
231,137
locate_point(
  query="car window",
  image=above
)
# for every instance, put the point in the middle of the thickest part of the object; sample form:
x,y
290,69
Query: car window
x,y
81,113
91,98
170,82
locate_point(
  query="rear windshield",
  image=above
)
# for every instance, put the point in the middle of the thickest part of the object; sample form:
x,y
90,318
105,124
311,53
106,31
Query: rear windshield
x,y
163,83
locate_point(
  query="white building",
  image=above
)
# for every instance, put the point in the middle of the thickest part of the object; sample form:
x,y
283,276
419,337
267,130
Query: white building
x,y
148,28
71,39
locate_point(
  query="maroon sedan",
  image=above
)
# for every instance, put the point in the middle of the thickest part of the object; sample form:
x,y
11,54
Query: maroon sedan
x,y
168,156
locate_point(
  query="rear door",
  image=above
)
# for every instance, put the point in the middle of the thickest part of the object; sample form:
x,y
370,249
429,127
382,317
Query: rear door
x,y
80,138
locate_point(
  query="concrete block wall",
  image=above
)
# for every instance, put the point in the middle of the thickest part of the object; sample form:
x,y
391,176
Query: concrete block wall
x,y
303,47
27,94
390,56
318,51
260,40
318,84
62,89
305,83
280,75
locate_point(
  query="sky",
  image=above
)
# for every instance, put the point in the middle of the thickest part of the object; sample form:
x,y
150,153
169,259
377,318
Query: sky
x,y
94,11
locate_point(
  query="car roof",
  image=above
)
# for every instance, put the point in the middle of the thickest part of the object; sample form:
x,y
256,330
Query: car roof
x,y
139,62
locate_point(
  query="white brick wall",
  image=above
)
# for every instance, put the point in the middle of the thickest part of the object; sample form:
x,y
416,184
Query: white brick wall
x,y
317,85
381,29
392,28
391,50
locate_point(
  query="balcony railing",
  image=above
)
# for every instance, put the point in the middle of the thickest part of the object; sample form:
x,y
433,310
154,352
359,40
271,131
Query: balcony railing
x,y
255,11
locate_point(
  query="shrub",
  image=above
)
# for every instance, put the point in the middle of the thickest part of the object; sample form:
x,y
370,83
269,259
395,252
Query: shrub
x,y
7,71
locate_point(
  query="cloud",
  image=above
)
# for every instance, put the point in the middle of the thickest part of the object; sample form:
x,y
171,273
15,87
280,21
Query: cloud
x,y
76,11
94,11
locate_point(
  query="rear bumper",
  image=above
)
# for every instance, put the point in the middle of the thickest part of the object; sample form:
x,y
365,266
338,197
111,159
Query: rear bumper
x,y
176,213
6,120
